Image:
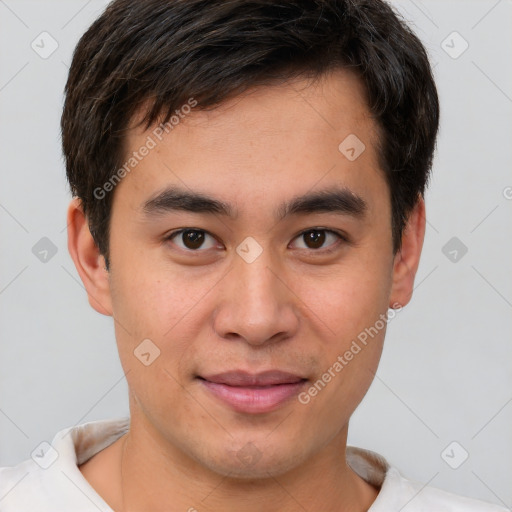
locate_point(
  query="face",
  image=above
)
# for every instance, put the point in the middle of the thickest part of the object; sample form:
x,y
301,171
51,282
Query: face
x,y
254,318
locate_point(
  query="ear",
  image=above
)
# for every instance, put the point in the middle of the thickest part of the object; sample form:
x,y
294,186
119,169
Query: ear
x,y
89,263
407,258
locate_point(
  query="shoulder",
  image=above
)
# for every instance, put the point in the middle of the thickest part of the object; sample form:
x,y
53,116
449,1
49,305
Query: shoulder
x,y
27,487
13,477
413,496
50,480
432,498
397,493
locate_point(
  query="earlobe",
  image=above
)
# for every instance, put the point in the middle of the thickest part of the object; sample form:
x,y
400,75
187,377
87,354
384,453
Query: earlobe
x,y
89,263
407,259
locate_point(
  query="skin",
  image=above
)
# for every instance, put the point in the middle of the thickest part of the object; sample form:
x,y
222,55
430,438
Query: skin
x,y
292,309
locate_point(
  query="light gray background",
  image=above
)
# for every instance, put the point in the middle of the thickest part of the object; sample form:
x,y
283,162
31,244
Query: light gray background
x,y
446,370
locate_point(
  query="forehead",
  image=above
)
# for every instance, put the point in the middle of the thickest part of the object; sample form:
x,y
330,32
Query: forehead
x,y
263,142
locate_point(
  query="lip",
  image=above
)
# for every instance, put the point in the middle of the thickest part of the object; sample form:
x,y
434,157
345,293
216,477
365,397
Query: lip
x,y
253,393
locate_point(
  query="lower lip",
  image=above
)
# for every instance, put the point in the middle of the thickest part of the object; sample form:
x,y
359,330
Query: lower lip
x,y
254,399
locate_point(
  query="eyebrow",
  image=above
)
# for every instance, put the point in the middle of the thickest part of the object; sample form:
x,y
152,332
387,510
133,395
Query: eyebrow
x,y
333,200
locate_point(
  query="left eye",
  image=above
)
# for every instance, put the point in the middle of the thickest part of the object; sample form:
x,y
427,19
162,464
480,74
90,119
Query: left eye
x,y
315,238
192,239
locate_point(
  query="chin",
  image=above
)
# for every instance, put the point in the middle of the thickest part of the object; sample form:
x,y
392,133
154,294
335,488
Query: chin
x,y
250,462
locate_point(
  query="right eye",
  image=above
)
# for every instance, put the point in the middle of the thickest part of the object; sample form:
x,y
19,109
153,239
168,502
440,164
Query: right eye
x,y
191,239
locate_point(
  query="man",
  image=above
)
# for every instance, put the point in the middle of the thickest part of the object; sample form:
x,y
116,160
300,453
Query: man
x,y
248,181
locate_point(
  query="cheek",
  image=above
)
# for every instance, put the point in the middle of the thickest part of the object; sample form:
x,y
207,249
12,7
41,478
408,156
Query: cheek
x,y
348,299
157,393
350,310
152,301
160,305
349,361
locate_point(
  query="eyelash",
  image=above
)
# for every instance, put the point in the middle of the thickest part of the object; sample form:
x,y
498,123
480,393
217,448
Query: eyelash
x,y
342,238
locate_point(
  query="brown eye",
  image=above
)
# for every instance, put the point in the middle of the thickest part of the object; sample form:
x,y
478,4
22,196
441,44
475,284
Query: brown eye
x,y
191,239
316,238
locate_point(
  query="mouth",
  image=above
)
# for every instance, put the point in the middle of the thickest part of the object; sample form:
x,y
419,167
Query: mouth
x,y
253,393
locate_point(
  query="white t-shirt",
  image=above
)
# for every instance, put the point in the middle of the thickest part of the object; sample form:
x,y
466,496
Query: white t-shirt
x,y
50,480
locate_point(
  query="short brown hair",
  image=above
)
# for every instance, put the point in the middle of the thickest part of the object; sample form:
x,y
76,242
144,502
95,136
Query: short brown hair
x,y
160,53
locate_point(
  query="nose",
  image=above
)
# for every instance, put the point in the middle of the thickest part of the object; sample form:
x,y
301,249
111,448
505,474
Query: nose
x,y
256,302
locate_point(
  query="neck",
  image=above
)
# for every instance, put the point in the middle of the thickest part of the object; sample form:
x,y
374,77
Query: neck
x,y
154,477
